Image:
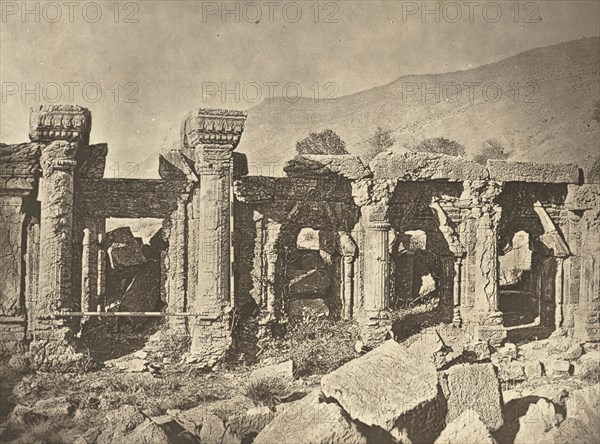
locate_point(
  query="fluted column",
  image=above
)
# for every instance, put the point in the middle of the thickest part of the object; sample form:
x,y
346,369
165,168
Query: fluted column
x,y
456,318
377,259
348,285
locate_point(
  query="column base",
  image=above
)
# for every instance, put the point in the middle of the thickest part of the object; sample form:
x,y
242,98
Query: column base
x,y
54,349
492,329
211,340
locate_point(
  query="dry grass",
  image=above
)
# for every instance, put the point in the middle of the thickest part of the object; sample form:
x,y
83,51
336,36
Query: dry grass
x,y
266,391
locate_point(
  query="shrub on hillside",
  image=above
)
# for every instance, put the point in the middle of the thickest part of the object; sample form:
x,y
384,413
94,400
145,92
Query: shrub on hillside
x,y
491,149
380,141
440,145
325,142
266,391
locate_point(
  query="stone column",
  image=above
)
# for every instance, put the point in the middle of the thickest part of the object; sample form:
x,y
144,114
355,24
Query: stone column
x,y
271,277
56,228
176,277
558,288
348,285
213,135
377,259
456,318
88,263
101,263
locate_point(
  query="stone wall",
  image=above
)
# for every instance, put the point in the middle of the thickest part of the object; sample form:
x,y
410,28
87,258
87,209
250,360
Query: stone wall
x,y
230,237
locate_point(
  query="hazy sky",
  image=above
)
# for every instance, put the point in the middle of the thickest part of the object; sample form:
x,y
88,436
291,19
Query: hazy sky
x,y
140,66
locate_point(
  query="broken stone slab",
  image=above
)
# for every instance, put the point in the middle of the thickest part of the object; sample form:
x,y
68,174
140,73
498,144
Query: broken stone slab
x,y
129,364
314,308
533,369
588,367
389,388
447,345
123,248
409,166
467,428
507,171
557,367
475,387
512,371
46,409
225,418
311,420
573,353
536,423
584,405
283,371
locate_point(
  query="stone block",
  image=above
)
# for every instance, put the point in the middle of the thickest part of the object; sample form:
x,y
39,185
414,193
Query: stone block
x,y
388,388
506,171
284,370
475,387
408,166
311,421
467,428
533,426
344,165
557,367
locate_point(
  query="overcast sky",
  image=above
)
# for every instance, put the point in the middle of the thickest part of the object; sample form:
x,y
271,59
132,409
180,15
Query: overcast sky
x,y
140,66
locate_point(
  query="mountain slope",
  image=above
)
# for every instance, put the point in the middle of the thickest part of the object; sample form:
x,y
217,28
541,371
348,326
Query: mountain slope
x,y
539,104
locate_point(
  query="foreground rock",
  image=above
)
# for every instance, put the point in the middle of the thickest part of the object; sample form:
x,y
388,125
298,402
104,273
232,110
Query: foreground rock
x,y
476,387
311,421
467,428
391,389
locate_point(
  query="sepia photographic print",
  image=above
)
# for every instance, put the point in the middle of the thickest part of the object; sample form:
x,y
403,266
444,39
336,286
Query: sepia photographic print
x,y
301,222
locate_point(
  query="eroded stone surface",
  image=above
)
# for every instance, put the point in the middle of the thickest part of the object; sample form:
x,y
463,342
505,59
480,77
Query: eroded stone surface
x,y
313,421
386,387
475,387
533,172
467,428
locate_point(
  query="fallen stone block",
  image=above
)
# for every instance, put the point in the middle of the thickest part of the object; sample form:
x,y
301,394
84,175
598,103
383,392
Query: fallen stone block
x,y
557,367
314,308
128,364
46,409
284,371
311,420
389,388
147,432
573,353
467,428
536,423
475,387
584,405
588,367
533,369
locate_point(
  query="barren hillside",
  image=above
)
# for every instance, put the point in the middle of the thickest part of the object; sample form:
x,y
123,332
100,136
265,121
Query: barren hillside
x,y
539,104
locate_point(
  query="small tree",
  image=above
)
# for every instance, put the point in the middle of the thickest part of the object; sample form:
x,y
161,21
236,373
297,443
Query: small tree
x,y
380,141
441,145
325,142
491,149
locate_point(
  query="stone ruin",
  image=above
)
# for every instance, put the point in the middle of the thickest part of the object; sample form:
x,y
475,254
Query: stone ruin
x,y
335,236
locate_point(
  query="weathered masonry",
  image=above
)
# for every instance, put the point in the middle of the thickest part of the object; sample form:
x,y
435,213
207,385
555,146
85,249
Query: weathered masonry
x,y
246,249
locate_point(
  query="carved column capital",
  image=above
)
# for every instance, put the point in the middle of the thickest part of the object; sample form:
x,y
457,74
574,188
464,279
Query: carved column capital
x,y
71,123
212,127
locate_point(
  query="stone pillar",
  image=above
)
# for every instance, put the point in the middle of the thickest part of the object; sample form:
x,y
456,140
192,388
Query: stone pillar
x,y
558,288
56,228
480,238
101,264
271,277
456,318
348,285
213,134
377,259
88,264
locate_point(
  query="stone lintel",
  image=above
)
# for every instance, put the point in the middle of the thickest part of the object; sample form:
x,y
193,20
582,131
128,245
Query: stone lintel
x,y
72,123
533,172
408,166
344,165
